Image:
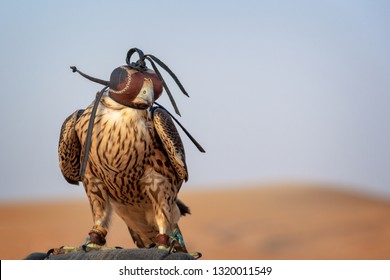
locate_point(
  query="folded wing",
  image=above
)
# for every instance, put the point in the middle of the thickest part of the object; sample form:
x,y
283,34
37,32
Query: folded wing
x,y
69,149
171,141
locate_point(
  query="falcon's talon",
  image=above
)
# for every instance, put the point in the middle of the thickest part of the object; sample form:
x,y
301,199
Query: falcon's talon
x,y
163,247
195,255
93,246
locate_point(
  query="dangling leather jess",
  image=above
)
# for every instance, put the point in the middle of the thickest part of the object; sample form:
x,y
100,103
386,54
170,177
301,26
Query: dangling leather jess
x,y
87,145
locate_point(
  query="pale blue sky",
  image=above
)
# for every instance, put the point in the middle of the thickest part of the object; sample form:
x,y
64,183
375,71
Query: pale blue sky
x,y
280,90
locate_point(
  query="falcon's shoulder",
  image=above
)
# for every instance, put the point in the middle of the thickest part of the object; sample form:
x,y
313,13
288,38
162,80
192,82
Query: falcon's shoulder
x,y
171,141
69,149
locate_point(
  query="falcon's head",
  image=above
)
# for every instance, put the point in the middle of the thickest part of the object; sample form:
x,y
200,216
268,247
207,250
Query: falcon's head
x,y
134,88
135,85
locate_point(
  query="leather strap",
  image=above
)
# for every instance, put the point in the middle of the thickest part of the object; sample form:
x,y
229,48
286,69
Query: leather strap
x,y
87,145
140,64
165,86
99,81
200,148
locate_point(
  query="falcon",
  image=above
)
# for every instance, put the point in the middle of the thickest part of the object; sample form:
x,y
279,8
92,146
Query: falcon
x,y
129,156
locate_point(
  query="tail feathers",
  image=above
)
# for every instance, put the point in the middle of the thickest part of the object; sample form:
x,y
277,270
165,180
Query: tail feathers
x,y
184,209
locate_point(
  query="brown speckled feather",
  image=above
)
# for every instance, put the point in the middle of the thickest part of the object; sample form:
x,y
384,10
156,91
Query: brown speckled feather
x,y
171,140
69,149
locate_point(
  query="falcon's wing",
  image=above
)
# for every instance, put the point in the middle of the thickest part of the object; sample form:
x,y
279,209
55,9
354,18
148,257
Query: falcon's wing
x,y
69,149
171,140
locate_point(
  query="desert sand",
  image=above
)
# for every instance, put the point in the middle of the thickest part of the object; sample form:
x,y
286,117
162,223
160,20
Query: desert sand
x,y
275,222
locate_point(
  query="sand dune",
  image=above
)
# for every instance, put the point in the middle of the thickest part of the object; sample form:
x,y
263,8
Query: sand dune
x,y
278,222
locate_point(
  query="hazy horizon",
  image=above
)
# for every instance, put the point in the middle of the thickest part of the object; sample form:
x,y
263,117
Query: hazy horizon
x,y
279,91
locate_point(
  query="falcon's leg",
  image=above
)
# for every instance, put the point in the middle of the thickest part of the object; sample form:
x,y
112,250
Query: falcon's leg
x,y
167,213
101,210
